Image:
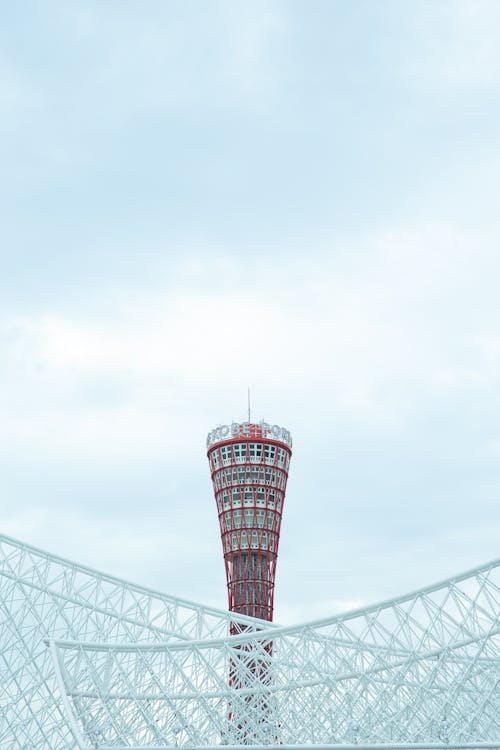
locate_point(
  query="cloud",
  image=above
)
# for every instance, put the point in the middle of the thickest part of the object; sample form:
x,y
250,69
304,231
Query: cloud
x,y
373,326
178,56
456,46
18,99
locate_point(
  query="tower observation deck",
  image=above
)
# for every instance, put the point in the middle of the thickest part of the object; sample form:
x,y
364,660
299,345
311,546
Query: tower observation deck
x,y
249,465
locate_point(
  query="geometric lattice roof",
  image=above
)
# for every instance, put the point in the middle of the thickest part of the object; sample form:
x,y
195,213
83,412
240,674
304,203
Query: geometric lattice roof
x,y
89,661
42,597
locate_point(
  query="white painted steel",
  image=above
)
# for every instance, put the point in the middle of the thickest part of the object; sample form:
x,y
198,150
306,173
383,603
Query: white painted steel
x,y
89,661
43,596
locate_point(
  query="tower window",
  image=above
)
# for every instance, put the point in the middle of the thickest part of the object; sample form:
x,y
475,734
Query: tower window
x,y
240,451
281,456
270,452
255,450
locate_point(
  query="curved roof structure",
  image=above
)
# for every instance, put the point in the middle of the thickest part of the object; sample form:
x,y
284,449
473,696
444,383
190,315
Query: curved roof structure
x,y
43,596
89,661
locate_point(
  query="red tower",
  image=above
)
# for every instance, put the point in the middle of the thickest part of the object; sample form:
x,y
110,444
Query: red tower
x,y
249,467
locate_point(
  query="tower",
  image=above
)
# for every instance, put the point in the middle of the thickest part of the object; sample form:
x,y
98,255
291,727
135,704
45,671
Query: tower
x,y
249,465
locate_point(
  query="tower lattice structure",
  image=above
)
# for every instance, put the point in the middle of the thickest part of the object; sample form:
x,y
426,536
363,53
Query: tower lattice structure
x,y
249,465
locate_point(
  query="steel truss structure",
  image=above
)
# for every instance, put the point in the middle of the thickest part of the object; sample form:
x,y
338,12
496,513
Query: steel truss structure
x,y
43,597
90,661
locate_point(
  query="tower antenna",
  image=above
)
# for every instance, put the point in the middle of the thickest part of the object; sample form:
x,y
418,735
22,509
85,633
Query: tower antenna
x,y
249,404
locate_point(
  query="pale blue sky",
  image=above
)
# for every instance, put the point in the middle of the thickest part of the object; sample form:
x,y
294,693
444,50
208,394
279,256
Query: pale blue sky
x,y
297,196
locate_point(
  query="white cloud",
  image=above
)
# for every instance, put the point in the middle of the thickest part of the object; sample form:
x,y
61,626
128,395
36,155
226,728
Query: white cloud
x,y
371,326
18,99
173,56
257,34
457,44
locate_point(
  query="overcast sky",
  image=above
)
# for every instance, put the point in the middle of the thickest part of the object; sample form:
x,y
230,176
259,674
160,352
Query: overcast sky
x,y
300,197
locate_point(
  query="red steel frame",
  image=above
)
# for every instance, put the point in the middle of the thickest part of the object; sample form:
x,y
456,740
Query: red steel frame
x,y
249,475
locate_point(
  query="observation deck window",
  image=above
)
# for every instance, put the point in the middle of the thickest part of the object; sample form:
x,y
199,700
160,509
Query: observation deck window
x,y
270,453
226,454
281,456
259,516
255,451
215,459
240,452
253,474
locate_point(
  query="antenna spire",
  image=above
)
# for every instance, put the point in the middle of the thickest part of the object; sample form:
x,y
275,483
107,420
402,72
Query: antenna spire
x,y
249,420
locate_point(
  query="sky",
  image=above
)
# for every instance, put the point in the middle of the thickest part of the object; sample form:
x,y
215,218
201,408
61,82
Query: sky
x,y
296,197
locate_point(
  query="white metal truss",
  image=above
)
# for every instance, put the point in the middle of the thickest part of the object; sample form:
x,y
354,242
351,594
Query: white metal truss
x,y
43,596
89,661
